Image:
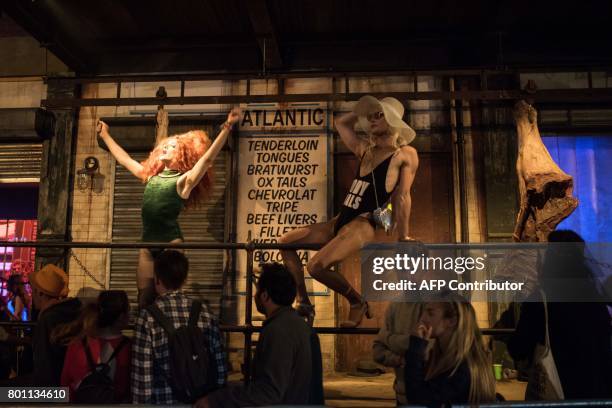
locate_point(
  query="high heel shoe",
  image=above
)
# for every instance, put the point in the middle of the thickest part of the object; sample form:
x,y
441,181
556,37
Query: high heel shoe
x,y
307,311
356,314
358,310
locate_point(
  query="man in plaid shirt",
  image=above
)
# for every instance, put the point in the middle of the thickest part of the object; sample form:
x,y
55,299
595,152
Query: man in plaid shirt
x,y
150,355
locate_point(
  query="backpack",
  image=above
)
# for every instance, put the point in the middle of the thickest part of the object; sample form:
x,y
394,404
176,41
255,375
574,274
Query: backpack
x,y
190,373
97,387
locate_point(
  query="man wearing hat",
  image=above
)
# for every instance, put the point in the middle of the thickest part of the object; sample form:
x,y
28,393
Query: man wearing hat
x,y
386,171
49,295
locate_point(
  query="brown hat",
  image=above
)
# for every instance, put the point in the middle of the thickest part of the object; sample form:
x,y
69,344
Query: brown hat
x,y
50,280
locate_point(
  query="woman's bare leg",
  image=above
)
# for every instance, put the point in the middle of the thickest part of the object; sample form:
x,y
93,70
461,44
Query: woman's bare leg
x,y
313,234
145,268
145,277
350,238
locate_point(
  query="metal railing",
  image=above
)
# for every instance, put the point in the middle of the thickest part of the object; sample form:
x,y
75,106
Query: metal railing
x,y
250,247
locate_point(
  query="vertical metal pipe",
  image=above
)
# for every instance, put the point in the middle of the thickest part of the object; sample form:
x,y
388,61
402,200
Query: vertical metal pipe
x,y
461,162
228,295
248,314
456,117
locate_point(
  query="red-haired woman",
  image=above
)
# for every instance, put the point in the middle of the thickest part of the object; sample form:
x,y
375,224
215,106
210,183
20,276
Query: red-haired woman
x,y
177,175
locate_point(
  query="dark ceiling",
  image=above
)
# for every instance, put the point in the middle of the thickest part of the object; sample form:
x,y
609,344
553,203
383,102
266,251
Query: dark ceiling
x,y
129,36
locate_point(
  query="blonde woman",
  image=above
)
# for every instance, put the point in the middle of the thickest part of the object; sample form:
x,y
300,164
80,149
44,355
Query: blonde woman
x,y
458,369
386,171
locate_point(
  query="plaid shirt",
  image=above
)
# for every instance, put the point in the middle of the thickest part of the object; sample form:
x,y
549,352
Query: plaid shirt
x,y
150,355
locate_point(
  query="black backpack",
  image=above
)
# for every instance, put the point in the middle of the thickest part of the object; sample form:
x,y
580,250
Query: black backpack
x,y
97,387
190,375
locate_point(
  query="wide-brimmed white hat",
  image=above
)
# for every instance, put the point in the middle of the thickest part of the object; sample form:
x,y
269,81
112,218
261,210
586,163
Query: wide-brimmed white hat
x,y
393,110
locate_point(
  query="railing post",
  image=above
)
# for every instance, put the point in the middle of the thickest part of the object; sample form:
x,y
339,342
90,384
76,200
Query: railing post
x,y
248,314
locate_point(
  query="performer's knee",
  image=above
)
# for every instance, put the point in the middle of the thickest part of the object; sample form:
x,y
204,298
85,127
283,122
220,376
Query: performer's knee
x,y
285,239
315,268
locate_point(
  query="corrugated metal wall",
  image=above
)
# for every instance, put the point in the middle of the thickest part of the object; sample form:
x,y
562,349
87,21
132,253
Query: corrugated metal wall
x,y
20,161
205,224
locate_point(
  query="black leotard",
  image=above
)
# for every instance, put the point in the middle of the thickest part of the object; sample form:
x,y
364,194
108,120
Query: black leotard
x,y
360,198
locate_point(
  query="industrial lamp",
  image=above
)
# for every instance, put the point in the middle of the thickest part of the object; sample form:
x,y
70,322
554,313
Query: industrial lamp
x,y
86,177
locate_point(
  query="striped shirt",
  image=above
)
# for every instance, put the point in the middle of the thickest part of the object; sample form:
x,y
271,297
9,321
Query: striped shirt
x,y
150,355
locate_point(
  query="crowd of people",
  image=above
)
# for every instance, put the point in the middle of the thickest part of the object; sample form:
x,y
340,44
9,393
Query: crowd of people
x,y
177,354
82,346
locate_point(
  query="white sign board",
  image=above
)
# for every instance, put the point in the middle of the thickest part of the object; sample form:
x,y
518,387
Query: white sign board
x,y
282,175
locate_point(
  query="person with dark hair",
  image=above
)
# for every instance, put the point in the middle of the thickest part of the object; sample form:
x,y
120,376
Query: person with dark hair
x,y
583,361
17,303
151,353
282,368
98,333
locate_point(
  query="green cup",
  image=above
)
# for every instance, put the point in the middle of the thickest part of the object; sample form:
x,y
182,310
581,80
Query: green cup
x,y
497,370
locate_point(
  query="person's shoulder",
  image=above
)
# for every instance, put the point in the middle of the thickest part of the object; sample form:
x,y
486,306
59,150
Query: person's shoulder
x,y
144,316
289,329
207,316
298,323
464,367
75,345
287,321
462,374
65,309
73,304
408,155
407,150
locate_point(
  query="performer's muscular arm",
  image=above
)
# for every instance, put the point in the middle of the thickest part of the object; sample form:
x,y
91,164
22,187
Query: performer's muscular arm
x,y
190,179
345,126
117,151
402,201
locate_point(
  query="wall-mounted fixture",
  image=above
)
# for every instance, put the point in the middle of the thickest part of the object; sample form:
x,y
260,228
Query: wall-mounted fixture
x,y
86,177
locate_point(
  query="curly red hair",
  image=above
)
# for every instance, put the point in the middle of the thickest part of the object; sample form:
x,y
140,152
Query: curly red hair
x,y
190,147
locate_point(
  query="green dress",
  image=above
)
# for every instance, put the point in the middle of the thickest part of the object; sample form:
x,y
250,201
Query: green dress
x,y
161,206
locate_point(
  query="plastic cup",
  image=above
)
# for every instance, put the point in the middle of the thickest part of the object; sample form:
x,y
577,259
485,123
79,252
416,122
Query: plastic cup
x,y
497,370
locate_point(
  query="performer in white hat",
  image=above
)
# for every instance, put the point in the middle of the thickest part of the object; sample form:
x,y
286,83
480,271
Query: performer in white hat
x,y
379,196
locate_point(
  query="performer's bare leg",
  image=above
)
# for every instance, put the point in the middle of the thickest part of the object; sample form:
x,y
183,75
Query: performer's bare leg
x,y
312,234
145,277
145,268
350,238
